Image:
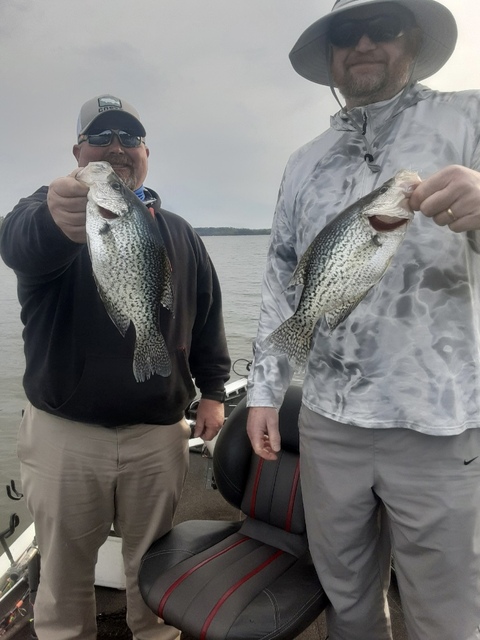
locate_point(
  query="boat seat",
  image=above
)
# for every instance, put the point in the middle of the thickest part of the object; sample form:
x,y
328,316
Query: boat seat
x,y
248,579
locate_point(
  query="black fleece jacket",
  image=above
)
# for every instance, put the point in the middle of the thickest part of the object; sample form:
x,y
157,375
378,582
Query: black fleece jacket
x,y
78,366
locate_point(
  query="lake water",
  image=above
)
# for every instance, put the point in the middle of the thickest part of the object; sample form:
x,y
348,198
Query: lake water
x,y
239,261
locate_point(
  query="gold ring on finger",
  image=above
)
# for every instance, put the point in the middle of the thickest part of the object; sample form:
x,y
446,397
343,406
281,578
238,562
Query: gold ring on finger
x,y
451,214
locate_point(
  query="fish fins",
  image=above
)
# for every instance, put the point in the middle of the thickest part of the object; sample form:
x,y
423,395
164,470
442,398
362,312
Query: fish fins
x,y
121,321
117,315
292,338
300,272
167,297
151,357
337,316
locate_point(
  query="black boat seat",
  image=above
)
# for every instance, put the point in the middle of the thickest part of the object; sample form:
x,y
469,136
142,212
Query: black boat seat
x,y
245,580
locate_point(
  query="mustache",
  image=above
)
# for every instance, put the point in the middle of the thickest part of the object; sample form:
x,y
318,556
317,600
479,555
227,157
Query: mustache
x,y
355,58
118,160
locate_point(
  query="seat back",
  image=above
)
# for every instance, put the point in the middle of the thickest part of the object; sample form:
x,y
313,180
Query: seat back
x,y
246,580
233,455
267,492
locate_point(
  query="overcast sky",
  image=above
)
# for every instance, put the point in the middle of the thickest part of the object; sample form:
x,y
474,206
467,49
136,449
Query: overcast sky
x,y
211,79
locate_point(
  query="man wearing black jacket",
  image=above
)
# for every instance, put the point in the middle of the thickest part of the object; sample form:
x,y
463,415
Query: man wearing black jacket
x,y
96,447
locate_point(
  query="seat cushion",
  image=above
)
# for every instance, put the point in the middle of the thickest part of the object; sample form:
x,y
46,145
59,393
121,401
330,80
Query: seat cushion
x,y
235,588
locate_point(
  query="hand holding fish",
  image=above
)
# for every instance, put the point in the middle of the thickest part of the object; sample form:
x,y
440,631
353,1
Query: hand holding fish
x,y
262,429
210,418
67,203
451,197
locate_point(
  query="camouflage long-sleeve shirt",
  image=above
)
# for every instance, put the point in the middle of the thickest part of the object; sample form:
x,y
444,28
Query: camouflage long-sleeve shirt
x,y
409,354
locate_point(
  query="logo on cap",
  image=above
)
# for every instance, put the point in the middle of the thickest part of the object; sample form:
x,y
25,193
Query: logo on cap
x,y
109,103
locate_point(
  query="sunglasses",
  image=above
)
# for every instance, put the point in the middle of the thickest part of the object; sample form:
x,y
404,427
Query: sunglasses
x,y
104,138
347,33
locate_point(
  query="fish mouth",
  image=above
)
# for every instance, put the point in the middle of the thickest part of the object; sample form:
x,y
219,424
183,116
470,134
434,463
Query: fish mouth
x,y
107,214
386,223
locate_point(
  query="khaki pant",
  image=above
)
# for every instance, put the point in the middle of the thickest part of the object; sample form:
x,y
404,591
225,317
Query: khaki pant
x,y
78,480
365,487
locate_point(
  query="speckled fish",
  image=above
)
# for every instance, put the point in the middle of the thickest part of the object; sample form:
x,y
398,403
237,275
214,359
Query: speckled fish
x,y
130,265
346,259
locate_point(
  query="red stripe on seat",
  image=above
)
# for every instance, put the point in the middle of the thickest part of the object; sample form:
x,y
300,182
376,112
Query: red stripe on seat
x,y
188,573
293,493
253,501
232,590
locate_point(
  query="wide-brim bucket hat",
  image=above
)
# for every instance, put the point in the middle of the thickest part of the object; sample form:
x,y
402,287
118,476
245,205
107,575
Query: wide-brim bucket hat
x,y
310,56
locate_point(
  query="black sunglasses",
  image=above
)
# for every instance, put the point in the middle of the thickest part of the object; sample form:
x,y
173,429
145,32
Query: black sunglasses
x,y
104,138
347,33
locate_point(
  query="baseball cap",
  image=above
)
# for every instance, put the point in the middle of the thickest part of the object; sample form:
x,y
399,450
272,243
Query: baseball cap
x,y
114,111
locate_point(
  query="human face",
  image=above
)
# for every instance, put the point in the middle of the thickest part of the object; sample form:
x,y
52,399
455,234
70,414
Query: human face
x,y
368,71
130,164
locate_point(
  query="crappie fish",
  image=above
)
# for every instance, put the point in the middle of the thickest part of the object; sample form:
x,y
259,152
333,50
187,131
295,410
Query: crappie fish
x,y
346,259
130,265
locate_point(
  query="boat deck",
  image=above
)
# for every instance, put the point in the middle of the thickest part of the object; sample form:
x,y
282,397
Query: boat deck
x,y
199,501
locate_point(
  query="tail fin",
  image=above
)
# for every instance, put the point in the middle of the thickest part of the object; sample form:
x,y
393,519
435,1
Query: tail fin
x,y
150,357
292,338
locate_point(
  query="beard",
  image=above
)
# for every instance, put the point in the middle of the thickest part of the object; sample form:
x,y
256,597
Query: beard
x,y
358,85
373,86
383,80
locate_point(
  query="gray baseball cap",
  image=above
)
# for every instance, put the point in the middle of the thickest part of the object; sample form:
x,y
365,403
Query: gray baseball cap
x,y
310,55
115,112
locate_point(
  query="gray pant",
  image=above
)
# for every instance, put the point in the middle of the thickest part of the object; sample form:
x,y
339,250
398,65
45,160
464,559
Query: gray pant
x,y
78,480
431,500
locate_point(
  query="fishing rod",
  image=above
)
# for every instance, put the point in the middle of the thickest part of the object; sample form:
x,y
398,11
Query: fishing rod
x,y
18,583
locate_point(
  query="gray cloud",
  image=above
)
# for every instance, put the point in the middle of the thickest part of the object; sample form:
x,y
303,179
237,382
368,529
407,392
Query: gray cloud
x,y
211,79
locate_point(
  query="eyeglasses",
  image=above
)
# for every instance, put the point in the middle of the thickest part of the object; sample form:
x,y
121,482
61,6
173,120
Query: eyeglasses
x,y
347,33
104,138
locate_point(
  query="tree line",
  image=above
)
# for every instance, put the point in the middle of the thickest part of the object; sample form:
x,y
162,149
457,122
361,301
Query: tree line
x,y
230,231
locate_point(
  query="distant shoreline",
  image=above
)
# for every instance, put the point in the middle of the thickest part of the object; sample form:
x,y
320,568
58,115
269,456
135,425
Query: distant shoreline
x,y
220,231
230,231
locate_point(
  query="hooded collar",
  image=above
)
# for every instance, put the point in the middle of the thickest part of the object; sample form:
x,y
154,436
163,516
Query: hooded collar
x,y
378,113
370,119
